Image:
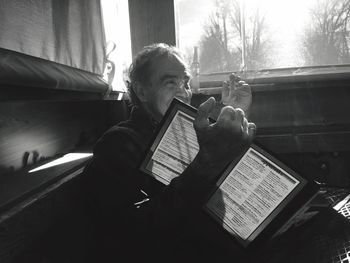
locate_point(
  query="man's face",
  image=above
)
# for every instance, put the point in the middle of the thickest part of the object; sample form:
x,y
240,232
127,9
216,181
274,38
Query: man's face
x,y
169,79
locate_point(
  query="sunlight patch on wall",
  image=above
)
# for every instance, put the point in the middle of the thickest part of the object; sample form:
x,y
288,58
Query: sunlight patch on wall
x,y
69,157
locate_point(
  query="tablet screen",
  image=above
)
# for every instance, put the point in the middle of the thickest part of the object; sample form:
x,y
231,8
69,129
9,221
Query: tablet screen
x,y
251,193
175,145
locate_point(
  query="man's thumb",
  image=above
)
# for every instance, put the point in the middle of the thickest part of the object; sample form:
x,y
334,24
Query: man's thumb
x,y
204,111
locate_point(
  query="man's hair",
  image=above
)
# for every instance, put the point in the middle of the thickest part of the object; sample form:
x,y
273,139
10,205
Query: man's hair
x,y
140,68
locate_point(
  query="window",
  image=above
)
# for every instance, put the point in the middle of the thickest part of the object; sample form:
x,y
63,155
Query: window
x,y
255,35
117,31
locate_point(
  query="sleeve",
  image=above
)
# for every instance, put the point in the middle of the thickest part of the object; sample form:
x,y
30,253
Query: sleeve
x,y
114,183
113,180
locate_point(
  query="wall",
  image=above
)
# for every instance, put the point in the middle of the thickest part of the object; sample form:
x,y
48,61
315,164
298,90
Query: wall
x,y
35,130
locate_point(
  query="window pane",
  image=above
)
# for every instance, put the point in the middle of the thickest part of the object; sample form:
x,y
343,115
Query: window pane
x,y
278,34
117,31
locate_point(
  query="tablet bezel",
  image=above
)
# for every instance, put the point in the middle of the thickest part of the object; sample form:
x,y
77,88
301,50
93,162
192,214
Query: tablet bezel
x,y
280,215
175,106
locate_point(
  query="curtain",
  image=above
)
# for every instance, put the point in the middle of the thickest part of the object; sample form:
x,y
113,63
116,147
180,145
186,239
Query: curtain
x,y
68,32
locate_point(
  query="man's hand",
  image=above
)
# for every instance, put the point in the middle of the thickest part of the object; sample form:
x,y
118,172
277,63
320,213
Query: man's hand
x,y
223,141
219,144
236,93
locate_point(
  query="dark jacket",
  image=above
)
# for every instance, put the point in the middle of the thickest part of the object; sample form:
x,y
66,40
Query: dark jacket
x,y
167,227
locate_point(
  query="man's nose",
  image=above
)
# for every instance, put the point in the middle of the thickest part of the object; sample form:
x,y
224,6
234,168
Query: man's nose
x,y
184,94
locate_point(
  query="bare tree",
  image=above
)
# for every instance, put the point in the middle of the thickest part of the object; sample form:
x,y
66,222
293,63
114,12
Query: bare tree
x,y
326,39
256,38
221,44
215,54
188,55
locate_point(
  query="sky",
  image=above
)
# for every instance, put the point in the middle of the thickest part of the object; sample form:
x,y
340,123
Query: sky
x,y
286,20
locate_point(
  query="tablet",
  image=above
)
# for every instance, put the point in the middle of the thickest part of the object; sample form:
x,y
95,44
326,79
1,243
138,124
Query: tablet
x,y
256,193
175,144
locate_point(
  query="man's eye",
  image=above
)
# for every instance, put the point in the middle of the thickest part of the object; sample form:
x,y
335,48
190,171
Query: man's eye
x,y
171,82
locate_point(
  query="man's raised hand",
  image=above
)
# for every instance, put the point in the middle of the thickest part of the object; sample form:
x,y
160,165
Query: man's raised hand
x,y
236,93
224,140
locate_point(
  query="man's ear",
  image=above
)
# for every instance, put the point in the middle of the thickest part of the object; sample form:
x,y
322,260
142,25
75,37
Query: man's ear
x,y
140,91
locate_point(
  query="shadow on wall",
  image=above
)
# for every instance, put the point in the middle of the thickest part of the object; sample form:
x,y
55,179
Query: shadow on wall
x,y
37,130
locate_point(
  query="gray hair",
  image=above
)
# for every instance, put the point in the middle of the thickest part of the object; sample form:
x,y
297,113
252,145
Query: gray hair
x,y
140,68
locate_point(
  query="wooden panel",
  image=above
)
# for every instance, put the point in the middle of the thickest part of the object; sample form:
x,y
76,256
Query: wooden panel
x,y
11,93
42,214
303,106
31,131
27,231
151,21
22,185
312,142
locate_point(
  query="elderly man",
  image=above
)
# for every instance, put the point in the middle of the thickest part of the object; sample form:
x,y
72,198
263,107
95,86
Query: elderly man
x,y
135,216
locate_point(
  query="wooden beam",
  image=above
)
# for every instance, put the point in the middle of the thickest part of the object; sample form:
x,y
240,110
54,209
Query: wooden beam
x,y
151,21
27,224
